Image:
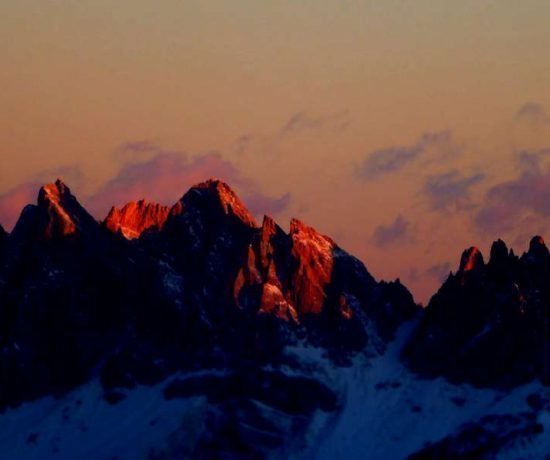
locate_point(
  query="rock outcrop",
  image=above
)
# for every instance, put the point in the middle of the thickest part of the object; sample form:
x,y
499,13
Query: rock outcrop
x,y
489,323
62,213
133,219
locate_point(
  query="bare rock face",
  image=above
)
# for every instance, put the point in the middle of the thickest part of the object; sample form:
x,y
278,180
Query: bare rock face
x,y
63,214
471,260
288,275
304,278
52,198
56,216
135,218
205,213
499,252
488,323
471,265
206,234
219,197
537,249
314,265
263,282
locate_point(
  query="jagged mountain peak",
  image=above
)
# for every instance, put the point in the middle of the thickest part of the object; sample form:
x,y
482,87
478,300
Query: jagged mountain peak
x,y
537,247
268,330
314,255
134,218
300,230
63,213
263,281
212,194
499,252
488,323
471,260
54,191
298,226
269,224
53,197
268,232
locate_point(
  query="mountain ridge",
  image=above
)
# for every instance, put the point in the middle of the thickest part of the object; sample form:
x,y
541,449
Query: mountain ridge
x,y
189,270
200,301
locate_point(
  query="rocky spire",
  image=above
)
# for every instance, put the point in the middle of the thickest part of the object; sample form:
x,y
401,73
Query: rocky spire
x,y
63,213
262,281
471,260
537,248
313,255
211,197
499,252
135,218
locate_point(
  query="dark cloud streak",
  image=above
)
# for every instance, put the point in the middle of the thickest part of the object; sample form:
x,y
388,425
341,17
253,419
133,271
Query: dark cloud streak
x,y
450,188
393,159
508,203
302,121
533,114
397,232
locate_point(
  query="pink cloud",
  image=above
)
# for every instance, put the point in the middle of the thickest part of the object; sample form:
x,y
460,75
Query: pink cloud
x,y
164,177
168,175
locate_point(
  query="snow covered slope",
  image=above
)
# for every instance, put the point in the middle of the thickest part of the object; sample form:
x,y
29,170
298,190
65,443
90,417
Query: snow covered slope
x,y
391,413
383,411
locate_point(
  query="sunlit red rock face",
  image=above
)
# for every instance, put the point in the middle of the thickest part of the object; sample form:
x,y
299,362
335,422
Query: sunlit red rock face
x,y
471,260
219,197
471,263
208,221
263,281
56,215
313,255
206,233
53,197
294,275
135,218
210,199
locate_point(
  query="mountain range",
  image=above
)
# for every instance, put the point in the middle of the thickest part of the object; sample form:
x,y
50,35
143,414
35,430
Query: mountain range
x,y
207,334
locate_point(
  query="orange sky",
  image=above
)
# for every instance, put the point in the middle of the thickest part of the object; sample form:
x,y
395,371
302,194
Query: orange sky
x,y
406,130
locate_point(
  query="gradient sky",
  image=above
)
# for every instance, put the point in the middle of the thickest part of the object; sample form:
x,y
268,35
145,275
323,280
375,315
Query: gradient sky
x,y
406,130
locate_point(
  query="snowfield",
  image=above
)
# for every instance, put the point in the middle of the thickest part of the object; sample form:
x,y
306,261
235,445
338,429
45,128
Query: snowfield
x,y
389,413
385,412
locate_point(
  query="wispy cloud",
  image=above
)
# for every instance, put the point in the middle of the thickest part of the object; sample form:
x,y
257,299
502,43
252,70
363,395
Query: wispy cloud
x,y
167,175
302,121
241,144
393,159
508,203
450,189
532,113
162,177
396,232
